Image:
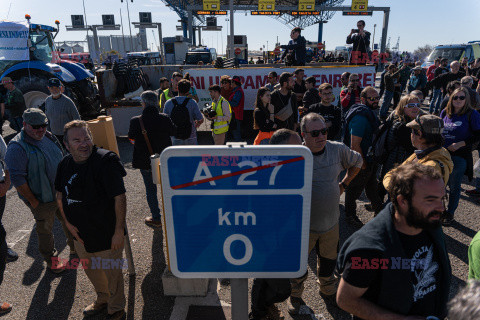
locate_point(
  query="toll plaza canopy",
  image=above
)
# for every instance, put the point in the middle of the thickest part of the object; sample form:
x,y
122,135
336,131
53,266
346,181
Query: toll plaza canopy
x,y
297,13
284,8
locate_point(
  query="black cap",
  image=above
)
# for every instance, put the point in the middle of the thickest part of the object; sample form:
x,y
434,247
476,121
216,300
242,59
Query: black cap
x,y
54,82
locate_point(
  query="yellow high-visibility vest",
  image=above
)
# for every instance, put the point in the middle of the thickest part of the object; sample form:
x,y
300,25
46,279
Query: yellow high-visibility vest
x,y
220,127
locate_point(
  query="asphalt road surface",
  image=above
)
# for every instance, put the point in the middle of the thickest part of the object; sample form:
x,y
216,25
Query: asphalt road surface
x,y
38,294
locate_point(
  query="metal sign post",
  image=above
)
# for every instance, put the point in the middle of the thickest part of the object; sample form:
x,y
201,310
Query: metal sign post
x,y
237,212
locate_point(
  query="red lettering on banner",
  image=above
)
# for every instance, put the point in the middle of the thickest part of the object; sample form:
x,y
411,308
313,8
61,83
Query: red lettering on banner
x,y
317,80
210,80
249,83
203,83
360,76
242,79
336,80
195,81
366,79
217,80
324,78
260,82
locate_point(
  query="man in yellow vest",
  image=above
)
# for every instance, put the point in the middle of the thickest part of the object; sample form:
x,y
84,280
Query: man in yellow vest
x,y
223,115
171,92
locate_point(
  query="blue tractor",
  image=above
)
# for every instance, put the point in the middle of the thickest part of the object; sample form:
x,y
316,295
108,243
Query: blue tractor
x,y
31,76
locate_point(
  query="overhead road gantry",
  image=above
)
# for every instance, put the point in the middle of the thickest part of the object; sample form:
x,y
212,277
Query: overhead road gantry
x,y
286,11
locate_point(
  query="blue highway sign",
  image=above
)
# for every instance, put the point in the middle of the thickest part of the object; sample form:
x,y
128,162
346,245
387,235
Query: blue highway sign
x,y
239,212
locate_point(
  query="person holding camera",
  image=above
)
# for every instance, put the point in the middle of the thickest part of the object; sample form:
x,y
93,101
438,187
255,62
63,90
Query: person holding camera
x,y
361,43
220,113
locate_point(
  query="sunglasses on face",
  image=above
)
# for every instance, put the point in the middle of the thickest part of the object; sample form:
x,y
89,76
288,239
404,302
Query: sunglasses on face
x,y
459,97
413,105
40,126
373,98
316,133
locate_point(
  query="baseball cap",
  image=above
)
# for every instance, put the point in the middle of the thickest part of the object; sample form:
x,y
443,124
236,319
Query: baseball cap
x,y
427,123
6,80
35,117
237,79
54,82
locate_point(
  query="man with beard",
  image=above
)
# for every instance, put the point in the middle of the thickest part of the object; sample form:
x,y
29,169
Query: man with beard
x,y
285,103
59,109
397,266
361,123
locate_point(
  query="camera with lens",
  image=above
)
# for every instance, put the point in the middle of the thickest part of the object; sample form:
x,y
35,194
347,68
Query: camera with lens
x,y
209,111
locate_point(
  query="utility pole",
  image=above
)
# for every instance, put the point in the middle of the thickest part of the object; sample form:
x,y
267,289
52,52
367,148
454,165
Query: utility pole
x,y
231,44
123,35
129,25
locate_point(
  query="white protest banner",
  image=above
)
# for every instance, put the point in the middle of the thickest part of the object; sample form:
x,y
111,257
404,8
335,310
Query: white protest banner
x,y
13,40
255,78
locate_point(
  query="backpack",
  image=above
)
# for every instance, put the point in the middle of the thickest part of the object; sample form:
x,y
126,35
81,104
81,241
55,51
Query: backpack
x,y
378,151
181,119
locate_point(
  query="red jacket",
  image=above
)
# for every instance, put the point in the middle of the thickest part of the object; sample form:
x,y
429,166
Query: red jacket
x,y
349,99
237,102
431,72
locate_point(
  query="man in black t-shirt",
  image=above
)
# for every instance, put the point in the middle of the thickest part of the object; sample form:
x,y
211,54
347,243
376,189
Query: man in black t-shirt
x,y
397,265
299,87
285,103
91,198
331,113
311,96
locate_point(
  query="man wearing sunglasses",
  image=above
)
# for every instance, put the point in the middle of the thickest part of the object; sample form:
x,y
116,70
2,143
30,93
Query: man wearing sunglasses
x,y
298,45
272,81
329,160
361,123
32,159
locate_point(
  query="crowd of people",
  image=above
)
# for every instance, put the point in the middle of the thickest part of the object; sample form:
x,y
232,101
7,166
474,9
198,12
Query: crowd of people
x,y
403,157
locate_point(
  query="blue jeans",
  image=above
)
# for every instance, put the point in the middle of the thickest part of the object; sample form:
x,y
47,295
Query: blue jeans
x,y
436,100
151,190
237,133
455,183
387,100
181,142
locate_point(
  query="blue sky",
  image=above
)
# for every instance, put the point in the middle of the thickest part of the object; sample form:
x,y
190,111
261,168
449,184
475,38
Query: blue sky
x,y
416,22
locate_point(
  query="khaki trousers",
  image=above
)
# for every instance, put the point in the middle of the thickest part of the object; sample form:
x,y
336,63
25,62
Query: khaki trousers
x,y
44,215
327,245
108,281
218,139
